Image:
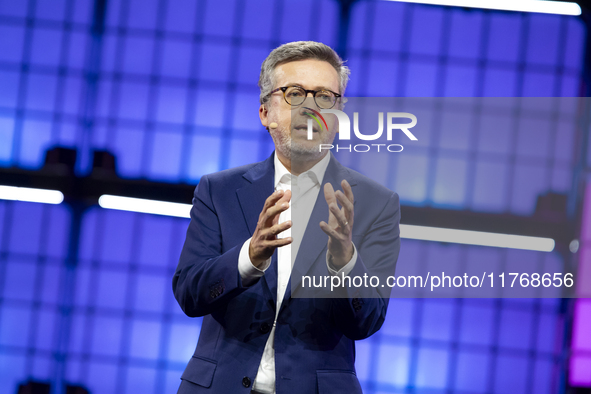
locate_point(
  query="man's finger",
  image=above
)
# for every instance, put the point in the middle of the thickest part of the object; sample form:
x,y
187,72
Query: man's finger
x,y
286,196
347,207
275,243
278,207
340,216
329,194
272,200
274,212
276,229
348,191
345,202
328,230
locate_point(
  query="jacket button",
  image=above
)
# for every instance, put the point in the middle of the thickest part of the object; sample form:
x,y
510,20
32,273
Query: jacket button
x,y
265,328
246,381
357,304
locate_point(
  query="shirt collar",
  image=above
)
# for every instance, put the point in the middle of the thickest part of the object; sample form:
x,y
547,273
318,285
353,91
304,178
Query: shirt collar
x,y
316,173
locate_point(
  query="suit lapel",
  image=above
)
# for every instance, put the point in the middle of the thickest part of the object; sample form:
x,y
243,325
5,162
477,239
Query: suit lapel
x,y
270,279
252,198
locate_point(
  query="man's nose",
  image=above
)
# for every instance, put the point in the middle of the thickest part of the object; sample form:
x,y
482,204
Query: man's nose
x,y
307,104
309,101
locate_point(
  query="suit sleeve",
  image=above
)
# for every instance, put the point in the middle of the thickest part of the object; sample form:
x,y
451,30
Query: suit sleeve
x,y
360,312
205,278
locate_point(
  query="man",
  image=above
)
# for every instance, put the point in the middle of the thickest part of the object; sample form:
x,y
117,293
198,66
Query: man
x,y
235,266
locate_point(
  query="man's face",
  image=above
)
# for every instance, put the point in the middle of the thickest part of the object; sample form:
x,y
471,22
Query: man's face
x,y
290,137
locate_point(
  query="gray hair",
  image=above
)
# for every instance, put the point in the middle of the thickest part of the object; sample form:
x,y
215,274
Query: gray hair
x,y
300,50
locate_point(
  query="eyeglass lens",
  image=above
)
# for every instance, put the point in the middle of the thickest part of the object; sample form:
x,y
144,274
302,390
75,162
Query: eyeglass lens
x,y
296,96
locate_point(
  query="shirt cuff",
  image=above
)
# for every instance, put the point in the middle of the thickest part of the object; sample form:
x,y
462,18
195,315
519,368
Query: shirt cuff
x,y
248,272
346,269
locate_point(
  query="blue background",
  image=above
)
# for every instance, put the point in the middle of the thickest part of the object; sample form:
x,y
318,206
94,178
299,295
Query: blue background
x,y
170,88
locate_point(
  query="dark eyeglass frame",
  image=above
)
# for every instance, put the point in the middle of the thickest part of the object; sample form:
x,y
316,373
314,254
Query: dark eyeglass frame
x,y
314,92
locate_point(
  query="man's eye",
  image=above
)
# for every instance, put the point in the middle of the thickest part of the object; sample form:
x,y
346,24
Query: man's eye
x,y
295,93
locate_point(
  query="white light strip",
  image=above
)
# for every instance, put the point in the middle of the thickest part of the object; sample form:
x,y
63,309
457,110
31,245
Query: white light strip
x,y
31,195
145,206
541,6
476,238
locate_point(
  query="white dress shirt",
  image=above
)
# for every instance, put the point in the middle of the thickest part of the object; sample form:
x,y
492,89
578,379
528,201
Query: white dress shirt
x,y
305,189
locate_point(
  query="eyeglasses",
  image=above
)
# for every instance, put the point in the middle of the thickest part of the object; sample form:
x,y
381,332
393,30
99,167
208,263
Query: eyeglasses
x,y
295,95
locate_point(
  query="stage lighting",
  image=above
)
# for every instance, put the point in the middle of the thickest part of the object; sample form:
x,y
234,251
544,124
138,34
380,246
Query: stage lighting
x,y
478,238
539,6
31,195
145,206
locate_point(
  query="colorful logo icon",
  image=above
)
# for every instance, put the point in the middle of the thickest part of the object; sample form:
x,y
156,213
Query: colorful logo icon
x,y
314,115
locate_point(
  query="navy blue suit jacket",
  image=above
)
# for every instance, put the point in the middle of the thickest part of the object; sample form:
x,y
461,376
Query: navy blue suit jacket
x,y
314,337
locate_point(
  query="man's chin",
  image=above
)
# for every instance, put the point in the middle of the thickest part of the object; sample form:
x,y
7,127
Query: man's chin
x,y
305,151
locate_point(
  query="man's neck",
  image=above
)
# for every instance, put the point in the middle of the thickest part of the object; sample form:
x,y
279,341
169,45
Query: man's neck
x,y
299,166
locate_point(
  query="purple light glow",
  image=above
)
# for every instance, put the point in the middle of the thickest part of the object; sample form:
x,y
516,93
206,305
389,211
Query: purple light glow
x,y
582,326
584,270
580,371
580,362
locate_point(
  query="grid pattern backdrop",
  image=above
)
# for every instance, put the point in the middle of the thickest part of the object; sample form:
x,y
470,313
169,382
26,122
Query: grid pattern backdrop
x,y
165,85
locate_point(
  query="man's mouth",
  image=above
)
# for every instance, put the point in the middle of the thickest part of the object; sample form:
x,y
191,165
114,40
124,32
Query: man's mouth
x,y
304,127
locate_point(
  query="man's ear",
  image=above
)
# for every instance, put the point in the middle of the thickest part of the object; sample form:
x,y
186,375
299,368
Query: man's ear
x,y
264,116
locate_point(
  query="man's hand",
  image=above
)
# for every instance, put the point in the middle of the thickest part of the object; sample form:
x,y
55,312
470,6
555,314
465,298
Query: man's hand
x,y
340,224
264,241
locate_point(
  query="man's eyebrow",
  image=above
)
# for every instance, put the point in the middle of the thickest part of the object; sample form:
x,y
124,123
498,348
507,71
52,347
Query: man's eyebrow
x,y
315,88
